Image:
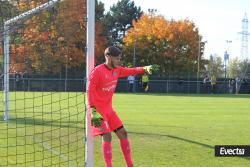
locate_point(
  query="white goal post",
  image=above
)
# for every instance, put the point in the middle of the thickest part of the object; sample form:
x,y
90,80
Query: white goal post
x,y
89,147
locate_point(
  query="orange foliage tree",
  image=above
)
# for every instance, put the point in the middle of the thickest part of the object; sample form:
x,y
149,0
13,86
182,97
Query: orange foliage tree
x,y
53,39
171,44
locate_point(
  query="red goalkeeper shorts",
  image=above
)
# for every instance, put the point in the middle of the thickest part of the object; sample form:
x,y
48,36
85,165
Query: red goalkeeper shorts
x,y
110,123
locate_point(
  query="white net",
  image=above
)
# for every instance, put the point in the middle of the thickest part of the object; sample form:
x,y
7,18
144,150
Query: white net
x,y
46,86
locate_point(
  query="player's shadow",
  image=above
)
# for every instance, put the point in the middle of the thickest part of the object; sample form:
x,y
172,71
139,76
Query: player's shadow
x,y
159,126
48,123
181,139
196,95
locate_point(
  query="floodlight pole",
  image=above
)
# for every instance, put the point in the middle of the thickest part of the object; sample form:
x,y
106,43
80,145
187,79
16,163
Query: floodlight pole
x,y
89,147
7,29
134,60
198,66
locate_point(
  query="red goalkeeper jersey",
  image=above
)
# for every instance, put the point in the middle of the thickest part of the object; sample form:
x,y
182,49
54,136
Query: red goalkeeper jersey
x,y
103,81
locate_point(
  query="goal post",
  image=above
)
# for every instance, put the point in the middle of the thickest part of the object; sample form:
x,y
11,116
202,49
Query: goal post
x,y
6,72
89,66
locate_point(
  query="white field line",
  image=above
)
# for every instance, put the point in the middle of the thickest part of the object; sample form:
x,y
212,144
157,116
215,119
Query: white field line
x,y
54,151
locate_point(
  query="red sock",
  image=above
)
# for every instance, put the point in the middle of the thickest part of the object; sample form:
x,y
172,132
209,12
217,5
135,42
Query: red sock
x,y
107,153
124,144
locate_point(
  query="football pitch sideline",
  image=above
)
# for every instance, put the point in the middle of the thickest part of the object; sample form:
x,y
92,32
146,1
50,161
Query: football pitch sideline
x,y
172,130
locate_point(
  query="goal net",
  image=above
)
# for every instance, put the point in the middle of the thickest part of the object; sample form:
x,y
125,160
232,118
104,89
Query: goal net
x,y
43,108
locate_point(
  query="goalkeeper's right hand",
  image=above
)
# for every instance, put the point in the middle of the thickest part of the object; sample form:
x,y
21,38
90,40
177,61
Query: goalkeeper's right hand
x,y
96,118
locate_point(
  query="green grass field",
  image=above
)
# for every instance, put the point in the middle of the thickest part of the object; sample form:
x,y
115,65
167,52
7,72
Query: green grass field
x,y
181,130
165,130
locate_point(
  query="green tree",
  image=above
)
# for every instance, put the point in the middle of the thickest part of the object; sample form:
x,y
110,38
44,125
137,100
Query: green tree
x,y
119,19
99,10
237,68
233,68
7,10
244,67
215,66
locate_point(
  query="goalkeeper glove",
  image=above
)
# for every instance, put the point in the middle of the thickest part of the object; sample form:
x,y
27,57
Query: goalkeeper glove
x,y
96,118
152,68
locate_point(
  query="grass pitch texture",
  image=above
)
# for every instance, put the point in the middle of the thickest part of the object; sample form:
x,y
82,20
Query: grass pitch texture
x,y
181,130
47,129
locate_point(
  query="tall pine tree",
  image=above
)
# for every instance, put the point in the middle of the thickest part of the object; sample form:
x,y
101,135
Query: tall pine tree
x,y
119,19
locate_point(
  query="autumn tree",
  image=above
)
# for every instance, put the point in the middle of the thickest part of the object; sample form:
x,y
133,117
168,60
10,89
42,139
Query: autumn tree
x,y
55,38
174,45
41,48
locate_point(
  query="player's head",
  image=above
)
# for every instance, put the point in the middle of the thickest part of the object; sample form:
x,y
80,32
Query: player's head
x,y
113,56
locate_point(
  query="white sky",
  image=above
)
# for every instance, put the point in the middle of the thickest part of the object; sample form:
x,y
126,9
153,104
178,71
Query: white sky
x,y
217,20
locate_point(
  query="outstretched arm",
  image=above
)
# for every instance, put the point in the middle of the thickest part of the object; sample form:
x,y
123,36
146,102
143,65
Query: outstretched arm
x,y
138,70
124,72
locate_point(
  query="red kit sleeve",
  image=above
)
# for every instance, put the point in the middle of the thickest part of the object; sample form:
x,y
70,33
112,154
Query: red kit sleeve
x,y
130,71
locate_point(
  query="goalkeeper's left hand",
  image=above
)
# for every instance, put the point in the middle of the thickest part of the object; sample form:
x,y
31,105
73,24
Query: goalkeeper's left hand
x,y
152,68
96,118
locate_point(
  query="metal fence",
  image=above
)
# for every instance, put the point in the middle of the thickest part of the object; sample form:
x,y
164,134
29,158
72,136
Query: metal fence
x,y
46,84
155,86
185,86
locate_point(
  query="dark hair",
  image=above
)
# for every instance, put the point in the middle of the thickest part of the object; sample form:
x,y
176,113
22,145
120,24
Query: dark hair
x,y
112,51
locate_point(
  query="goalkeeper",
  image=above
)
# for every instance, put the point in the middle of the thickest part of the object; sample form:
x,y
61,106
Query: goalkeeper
x,y
101,87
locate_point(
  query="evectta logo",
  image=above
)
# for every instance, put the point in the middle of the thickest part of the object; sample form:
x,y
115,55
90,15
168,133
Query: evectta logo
x,y
232,151
236,151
